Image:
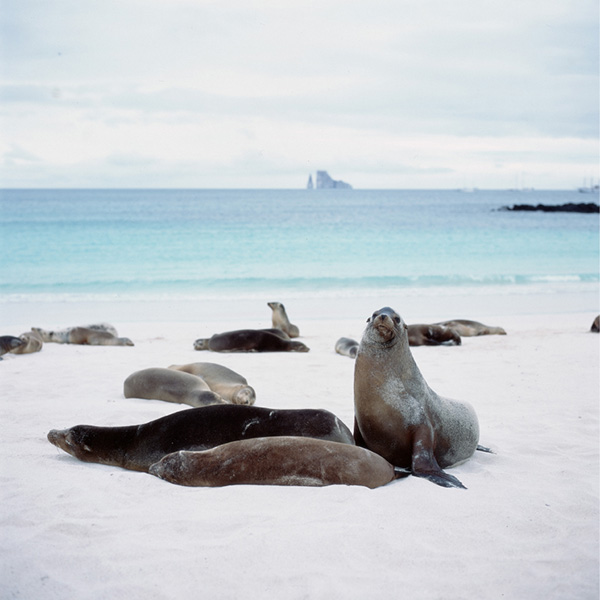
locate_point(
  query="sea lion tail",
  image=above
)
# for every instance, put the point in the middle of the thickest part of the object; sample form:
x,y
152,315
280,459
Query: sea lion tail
x,y
484,449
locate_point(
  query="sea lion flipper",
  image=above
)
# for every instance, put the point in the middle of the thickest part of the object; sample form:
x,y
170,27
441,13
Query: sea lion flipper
x,y
484,449
424,463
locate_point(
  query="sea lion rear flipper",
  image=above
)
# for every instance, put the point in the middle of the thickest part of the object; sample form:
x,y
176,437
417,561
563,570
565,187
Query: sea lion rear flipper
x,y
484,449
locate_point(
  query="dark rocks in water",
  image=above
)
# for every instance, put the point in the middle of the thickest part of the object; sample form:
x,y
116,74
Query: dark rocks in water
x,y
582,207
325,182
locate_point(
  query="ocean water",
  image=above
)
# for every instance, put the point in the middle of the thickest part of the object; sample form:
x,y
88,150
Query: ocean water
x,y
74,245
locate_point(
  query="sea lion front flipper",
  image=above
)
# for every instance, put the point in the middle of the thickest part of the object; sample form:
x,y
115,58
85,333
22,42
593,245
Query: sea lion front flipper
x,y
484,449
424,463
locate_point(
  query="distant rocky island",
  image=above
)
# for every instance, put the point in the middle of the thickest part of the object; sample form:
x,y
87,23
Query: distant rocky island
x,y
581,207
324,182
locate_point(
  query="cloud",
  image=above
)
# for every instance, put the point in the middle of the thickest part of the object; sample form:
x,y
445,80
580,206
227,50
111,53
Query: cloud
x,y
206,82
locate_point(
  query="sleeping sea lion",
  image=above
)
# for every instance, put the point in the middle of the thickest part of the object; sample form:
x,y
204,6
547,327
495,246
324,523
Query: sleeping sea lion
x,y
228,384
468,328
171,386
281,460
136,447
432,335
249,340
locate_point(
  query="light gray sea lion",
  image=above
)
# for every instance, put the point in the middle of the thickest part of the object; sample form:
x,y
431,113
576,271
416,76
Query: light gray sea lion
x,y
346,347
136,447
596,325
8,343
32,342
432,335
249,340
280,320
228,384
398,416
277,461
467,328
171,386
87,336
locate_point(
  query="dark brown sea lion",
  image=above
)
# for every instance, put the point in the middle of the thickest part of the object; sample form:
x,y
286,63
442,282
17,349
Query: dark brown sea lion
x,y
93,335
467,328
9,343
228,384
432,335
32,342
136,447
398,416
277,461
280,320
346,347
596,325
171,386
249,340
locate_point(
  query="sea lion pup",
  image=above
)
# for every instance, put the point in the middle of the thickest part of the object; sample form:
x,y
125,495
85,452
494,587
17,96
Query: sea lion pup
x,y
280,460
32,342
228,384
596,325
249,340
346,347
136,447
468,328
398,415
432,335
87,336
171,386
8,343
280,320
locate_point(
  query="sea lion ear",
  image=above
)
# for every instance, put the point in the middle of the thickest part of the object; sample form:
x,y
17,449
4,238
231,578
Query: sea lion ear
x,y
369,320
406,326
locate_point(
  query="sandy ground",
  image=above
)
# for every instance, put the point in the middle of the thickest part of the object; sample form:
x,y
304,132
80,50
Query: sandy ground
x,y
526,527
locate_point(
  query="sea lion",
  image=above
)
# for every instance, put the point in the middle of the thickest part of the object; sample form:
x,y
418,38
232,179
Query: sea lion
x,y
596,325
280,320
249,340
32,342
468,328
228,384
136,447
432,335
92,335
171,386
281,460
398,415
346,347
8,343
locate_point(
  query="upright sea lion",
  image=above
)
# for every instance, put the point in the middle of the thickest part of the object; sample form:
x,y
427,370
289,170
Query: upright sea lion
x,y
249,340
468,328
136,447
171,386
432,335
398,415
228,384
596,325
280,319
88,336
277,461
346,347
8,343
32,342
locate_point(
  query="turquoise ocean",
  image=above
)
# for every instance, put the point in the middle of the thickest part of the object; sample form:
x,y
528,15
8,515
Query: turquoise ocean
x,y
134,245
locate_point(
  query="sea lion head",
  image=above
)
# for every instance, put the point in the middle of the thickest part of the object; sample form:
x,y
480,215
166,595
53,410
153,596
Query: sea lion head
x,y
385,326
74,441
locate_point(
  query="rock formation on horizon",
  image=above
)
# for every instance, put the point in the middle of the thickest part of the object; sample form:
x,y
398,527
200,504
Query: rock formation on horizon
x,y
325,182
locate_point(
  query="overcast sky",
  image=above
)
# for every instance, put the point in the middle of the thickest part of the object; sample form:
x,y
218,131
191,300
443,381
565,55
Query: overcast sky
x,y
242,93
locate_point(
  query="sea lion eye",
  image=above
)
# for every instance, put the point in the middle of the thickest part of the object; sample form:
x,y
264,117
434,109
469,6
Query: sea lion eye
x,y
397,320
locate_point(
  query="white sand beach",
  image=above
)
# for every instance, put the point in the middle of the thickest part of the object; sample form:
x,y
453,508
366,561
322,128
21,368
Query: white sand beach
x,y
526,527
